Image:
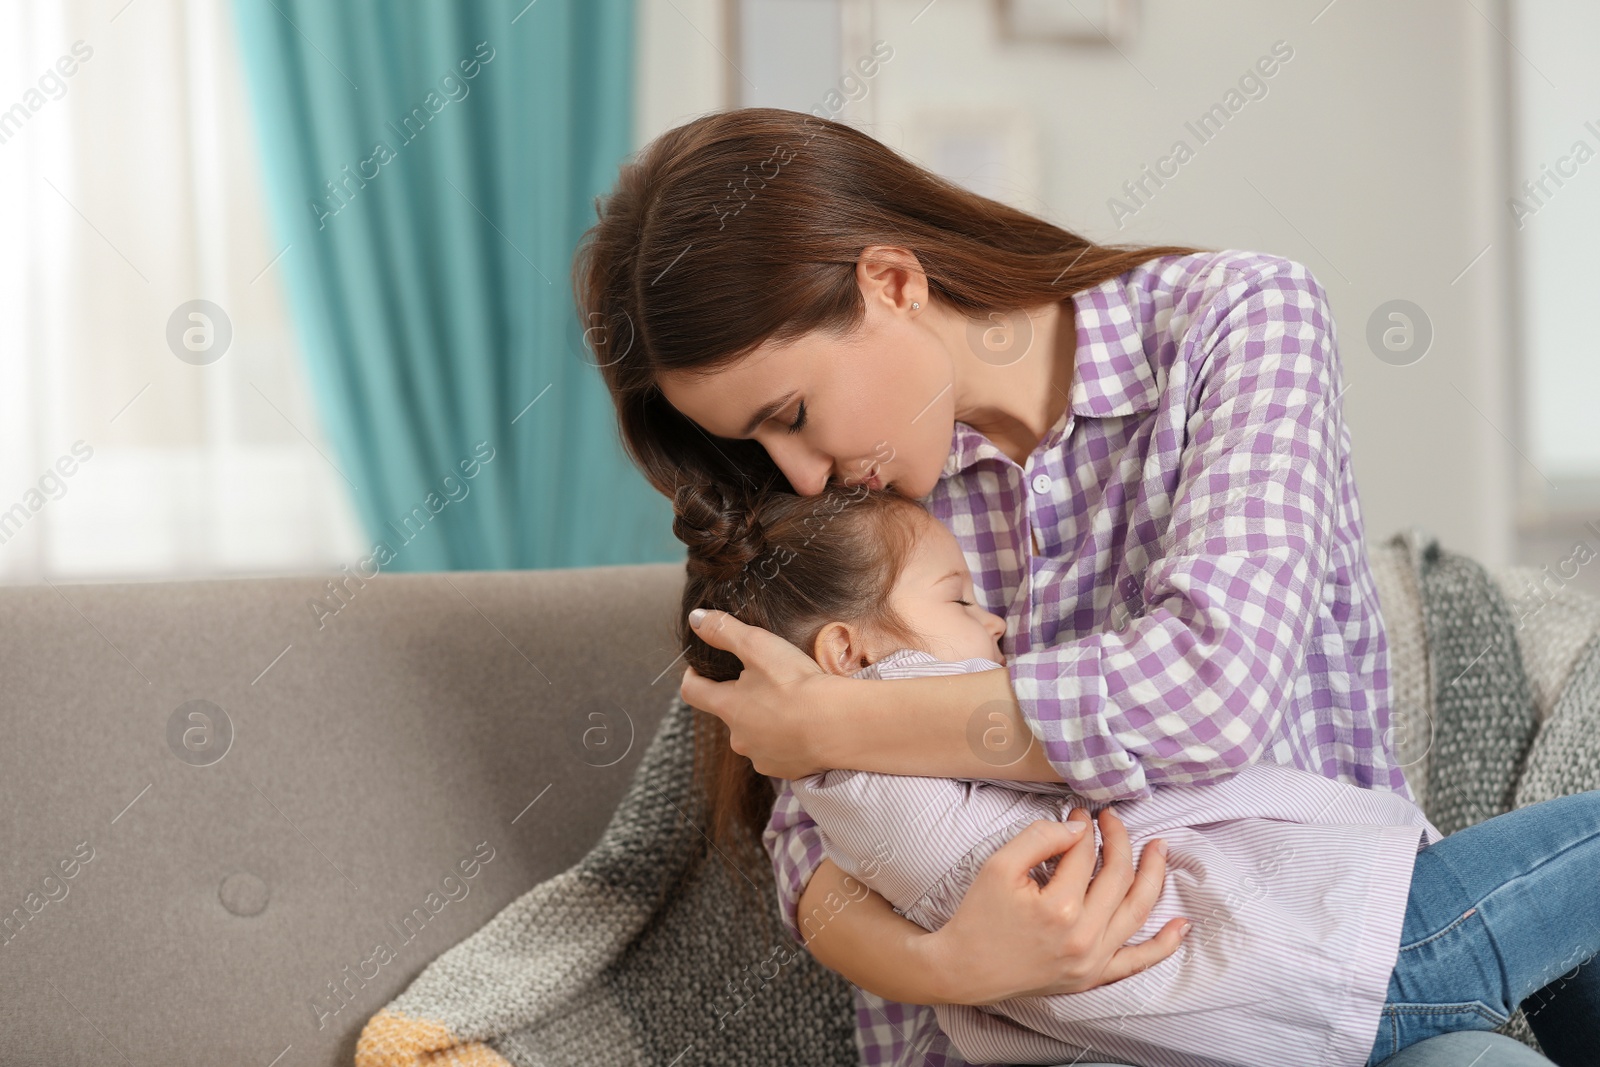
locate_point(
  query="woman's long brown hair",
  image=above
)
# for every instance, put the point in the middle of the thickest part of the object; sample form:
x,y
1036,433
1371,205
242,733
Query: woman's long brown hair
x,y
745,226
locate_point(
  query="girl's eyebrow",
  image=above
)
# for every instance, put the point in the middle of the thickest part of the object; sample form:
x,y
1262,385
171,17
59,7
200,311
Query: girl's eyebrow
x,y
953,574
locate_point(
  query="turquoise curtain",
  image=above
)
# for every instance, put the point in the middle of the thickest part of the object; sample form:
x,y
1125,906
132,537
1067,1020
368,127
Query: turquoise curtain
x,y
430,167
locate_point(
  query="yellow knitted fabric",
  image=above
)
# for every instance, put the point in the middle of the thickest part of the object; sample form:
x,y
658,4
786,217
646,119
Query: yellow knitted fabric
x,y
394,1039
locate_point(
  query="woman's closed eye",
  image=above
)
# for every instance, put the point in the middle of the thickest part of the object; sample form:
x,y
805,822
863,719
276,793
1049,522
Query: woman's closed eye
x,y
799,419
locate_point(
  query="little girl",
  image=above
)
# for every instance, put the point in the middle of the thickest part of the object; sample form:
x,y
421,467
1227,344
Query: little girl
x,y
1328,919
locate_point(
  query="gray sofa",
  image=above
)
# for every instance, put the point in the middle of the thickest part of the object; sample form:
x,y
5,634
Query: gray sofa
x,y
399,770
221,796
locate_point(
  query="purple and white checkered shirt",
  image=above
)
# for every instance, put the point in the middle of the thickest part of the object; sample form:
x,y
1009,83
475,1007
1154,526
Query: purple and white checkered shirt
x,y
1180,562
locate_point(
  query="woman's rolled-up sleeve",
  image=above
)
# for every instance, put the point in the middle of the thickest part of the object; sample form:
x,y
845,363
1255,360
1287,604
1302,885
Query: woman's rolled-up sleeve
x,y
794,843
1191,683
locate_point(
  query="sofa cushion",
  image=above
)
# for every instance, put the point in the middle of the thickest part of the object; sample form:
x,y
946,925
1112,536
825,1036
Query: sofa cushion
x,y
404,761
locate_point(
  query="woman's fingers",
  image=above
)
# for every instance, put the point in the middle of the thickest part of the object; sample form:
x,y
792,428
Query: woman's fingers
x,y
694,689
765,656
1037,842
1003,939
773,708
1088,922
1054,944
1131,959
1065,890
1134,908
721,630
701,692
1110,886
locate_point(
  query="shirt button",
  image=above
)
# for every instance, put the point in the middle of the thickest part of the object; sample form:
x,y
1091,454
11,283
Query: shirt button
x,y
1041,483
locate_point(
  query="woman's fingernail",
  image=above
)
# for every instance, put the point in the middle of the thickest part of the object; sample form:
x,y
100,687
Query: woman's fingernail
x,y
1073,826
1183,931
696,615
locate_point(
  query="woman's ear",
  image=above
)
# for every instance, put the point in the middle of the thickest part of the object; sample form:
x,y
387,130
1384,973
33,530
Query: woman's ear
x,y
838,649
892,272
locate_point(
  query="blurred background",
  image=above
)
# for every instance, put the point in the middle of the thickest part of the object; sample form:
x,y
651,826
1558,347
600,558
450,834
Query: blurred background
x,y
282,282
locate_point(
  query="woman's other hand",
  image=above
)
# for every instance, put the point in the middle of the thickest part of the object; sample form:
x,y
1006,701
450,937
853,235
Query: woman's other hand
x,y
1010,937
777,708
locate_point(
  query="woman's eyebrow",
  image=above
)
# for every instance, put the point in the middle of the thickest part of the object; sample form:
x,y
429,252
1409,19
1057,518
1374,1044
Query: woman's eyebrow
x,y
766,411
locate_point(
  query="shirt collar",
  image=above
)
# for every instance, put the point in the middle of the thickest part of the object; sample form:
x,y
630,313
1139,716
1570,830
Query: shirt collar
x,y
903,662
897,657
1111,371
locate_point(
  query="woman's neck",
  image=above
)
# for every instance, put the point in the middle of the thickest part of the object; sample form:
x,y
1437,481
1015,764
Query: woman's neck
x,y
1015,404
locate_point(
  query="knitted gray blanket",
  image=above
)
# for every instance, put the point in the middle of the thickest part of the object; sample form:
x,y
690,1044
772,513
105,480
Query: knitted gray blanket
x,y
1497,685
648,952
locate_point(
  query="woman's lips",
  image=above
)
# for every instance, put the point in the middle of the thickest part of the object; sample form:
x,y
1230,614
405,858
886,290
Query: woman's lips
x,y
870,480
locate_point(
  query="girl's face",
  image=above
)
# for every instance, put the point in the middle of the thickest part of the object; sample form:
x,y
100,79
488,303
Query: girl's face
x,y
935,596
876,407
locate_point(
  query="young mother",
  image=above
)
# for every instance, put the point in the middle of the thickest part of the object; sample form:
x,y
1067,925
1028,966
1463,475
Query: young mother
x,y
1141,452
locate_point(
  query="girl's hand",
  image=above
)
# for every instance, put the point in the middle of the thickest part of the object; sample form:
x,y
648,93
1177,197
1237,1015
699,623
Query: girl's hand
x,y
1011,938
778,706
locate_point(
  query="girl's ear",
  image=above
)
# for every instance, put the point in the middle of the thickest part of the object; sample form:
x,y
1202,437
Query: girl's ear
x,y
839,650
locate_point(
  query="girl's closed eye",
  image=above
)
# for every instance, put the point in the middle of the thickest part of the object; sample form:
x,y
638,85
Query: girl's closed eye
x,y
964,603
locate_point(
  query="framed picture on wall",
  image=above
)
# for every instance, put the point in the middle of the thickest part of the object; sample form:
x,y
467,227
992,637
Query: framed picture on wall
x,y
1082,22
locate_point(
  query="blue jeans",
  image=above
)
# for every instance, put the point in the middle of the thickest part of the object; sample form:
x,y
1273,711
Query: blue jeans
x,y
1446,1050
1504,913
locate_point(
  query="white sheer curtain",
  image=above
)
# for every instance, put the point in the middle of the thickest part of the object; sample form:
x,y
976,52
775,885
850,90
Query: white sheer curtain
x,y
128,187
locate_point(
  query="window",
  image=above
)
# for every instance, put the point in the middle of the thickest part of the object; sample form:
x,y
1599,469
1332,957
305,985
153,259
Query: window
x,y
1555,202
129,188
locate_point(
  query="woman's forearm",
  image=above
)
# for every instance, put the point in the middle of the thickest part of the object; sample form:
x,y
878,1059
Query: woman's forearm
x,y
854,932
949,726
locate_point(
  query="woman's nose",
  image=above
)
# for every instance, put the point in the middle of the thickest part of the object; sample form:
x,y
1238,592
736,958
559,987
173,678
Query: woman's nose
x,y
806,468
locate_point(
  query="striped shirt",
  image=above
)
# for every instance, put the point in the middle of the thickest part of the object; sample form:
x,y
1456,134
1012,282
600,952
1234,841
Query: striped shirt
x,y
1295,884
1180,562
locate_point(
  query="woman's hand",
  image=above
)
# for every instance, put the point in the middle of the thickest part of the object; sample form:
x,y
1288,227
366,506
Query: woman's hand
x,y
777,709
1011,938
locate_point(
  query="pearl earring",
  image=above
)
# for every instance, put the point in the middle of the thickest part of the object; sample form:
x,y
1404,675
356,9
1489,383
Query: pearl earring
x,y
915,305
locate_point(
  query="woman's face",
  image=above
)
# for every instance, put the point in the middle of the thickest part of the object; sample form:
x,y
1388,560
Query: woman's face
x,y
878,406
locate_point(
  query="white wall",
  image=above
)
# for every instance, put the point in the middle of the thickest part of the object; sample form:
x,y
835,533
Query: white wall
x,y
1376,156
682,64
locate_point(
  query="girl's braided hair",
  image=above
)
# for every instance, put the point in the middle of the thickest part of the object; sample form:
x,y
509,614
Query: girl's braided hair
x,y
789,564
